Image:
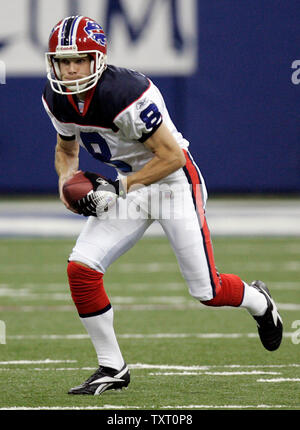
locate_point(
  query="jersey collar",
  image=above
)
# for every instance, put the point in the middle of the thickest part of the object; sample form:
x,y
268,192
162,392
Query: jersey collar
x,y
87,101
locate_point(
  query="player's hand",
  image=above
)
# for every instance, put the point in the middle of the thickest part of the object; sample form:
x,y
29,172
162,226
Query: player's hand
x,y
95,203
105,184
61,181
104,194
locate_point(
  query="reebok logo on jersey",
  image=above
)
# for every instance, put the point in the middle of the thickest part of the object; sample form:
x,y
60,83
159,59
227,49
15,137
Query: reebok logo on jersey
x,y
141,104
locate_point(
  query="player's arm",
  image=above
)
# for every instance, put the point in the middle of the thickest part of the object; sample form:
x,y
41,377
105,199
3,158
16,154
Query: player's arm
x,y
168,157
66,163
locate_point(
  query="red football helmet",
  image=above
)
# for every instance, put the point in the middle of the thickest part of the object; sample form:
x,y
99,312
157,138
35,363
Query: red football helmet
x,y
76,36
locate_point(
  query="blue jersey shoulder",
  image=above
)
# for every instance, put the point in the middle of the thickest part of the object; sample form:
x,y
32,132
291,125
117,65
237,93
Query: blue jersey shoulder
x,y
57,104
120,87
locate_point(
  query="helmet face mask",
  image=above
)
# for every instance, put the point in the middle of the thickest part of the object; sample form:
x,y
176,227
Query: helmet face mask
x,y
76,37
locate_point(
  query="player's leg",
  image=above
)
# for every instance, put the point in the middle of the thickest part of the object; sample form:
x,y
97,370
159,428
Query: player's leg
x,y
96,314
100,243
190,238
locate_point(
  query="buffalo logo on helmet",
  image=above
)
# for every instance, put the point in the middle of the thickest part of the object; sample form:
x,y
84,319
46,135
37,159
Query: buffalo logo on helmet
x,y
95,32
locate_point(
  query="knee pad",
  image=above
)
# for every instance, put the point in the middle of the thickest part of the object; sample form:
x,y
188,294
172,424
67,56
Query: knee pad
x,y
87,290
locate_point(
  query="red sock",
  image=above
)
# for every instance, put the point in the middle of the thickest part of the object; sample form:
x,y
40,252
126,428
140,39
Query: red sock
x,y
230,293
87,290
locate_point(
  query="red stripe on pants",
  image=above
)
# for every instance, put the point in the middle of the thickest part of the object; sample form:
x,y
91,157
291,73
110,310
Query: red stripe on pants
x,y
228,289
199,206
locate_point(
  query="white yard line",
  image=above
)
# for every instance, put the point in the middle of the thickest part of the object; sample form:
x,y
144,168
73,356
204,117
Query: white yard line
x,y
178,373
185,373
151,303
81,336
207,367
278,285
171,370
279,380
117,407
68,408
155,267
227,407
46,361
145,366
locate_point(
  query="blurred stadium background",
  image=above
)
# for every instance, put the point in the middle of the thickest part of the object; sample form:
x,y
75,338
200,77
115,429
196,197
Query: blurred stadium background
x,y
228,71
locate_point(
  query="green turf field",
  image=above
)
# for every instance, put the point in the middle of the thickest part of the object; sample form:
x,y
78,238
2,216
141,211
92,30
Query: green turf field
x,y
181,354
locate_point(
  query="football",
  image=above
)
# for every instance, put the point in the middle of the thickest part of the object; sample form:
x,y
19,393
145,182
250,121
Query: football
x,y
76,187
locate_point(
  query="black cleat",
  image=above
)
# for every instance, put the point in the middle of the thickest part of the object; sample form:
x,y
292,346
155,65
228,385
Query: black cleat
x,y
270,324
105,378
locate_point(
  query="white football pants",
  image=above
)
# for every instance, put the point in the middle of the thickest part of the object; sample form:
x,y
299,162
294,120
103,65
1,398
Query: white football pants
x,y
178,205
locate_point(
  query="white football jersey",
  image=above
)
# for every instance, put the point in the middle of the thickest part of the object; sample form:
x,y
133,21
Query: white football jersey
x,y
119,115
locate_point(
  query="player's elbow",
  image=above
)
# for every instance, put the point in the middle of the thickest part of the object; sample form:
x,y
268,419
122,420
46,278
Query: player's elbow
x,y
174,164
178,160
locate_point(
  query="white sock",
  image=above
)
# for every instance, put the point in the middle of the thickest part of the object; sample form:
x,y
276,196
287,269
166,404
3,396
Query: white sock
x,y
101,330
254,301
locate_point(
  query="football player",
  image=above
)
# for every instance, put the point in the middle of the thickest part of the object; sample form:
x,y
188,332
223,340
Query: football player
x,y
119,116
